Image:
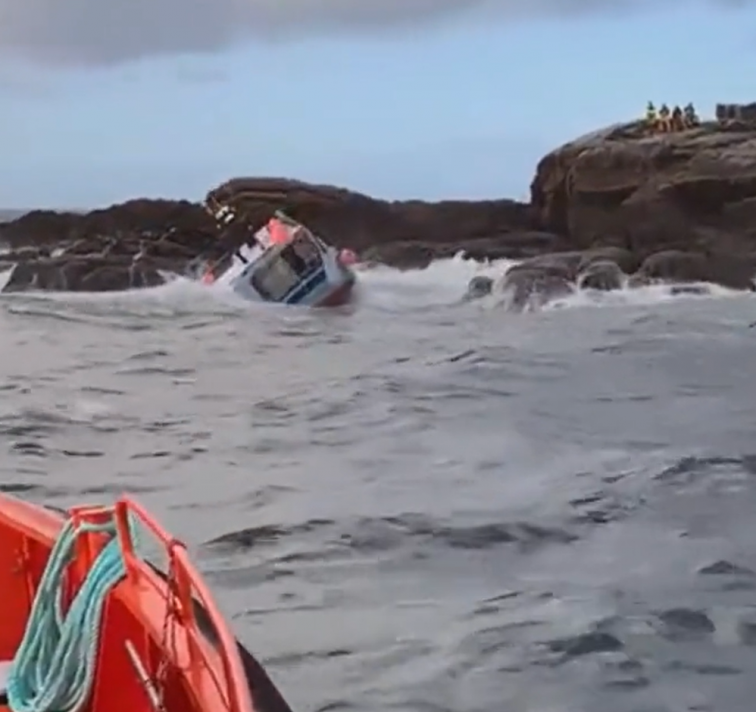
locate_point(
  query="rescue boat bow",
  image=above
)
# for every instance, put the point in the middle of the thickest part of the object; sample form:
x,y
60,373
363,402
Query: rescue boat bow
x,y
90,626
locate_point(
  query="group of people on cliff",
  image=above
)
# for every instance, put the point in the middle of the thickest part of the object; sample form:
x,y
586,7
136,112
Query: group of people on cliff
x,y
665,121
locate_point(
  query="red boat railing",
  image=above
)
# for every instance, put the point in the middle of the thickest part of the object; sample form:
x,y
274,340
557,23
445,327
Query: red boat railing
x,y
176,605
185,583
181,590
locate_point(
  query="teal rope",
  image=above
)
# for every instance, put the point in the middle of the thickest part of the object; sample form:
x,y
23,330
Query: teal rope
x,y
54,668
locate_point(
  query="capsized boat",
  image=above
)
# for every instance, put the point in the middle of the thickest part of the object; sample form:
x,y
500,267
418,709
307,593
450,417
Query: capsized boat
x,y
289,264
88,625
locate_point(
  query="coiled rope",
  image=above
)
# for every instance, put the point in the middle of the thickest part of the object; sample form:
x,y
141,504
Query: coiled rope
x,y
54,668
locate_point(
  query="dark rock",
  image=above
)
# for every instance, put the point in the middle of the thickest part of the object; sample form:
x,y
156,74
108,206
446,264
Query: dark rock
x,y
349,219
570,264
602,275
121,247
478,287
134,218
559,264
531,288
24,254
687,192
624,259
83,274
408,234
675,266
407,255
690,290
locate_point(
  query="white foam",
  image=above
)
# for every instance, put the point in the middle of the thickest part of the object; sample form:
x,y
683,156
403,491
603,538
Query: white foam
x,y
652,294
443,283
5,276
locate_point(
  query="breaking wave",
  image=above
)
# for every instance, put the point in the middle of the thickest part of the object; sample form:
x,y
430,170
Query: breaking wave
x,y
383,288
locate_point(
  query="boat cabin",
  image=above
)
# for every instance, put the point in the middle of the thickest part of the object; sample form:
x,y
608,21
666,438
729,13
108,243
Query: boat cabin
x,y
287,271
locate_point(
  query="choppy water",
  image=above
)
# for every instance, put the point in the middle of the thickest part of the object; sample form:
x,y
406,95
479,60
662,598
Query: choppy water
x,y
420,505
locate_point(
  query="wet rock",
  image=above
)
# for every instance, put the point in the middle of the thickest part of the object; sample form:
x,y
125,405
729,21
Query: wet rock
x,y
624,259
601,275
139,218
414,254
529,289
478,287
83,274
350,219
695,290
676,266
24,254
558,264
121,247
686,192
407,255
405,234
512,245
589,187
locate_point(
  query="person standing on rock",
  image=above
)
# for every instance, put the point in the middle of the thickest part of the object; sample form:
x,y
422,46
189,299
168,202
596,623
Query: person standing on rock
x,y
664,122
677,119
651,116
691,118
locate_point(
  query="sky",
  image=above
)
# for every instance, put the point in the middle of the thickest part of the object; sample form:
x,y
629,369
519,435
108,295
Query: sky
x,y
104,101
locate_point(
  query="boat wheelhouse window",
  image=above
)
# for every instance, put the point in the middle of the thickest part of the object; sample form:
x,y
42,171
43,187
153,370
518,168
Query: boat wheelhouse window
x,y
274,278
284,267
306,248
302,254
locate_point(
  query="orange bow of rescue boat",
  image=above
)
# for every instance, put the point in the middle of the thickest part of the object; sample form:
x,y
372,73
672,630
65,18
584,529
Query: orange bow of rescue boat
x,y
158,642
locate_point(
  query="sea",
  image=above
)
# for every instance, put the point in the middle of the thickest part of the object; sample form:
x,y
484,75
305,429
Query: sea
x,y
420,504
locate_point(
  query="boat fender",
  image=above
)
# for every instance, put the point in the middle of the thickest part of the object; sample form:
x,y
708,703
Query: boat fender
x,y
348,257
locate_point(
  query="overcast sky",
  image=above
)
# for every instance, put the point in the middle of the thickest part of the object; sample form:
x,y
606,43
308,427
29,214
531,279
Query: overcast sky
x,y
102,100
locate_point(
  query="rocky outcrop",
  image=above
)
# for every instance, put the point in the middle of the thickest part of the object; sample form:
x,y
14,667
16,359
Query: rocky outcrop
x,y
134,244
533,283
690,195
68,250
672,207
407,234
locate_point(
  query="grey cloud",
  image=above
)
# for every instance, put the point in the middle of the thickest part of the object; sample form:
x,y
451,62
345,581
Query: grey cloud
x,y
99,32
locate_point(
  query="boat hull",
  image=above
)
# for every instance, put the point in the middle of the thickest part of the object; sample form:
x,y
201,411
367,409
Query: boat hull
x,y
340,296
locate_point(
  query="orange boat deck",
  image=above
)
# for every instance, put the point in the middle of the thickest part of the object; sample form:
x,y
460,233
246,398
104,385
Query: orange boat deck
x,y
171,624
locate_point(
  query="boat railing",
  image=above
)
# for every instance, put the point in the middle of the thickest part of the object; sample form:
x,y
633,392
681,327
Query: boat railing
x,y
202,645
183,589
